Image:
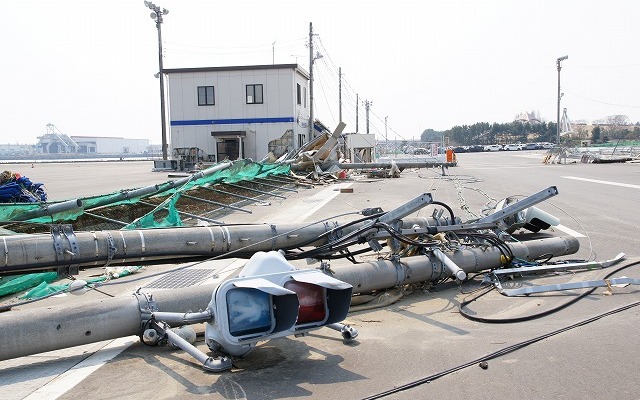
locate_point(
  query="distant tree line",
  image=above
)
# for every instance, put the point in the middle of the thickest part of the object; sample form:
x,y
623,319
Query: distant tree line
x,y
482,133
614,127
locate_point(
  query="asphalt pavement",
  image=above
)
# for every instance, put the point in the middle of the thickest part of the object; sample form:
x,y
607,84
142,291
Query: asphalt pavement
x,y
419,346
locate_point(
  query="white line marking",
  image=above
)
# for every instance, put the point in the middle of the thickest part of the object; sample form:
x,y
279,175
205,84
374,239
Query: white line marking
x,y
322,198
604,182
66,381
569,231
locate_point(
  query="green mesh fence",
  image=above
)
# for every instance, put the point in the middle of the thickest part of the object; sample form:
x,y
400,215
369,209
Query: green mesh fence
x,y
242,170
149,220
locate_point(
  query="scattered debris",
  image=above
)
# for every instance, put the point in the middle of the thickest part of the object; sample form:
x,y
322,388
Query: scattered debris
x,y
15,188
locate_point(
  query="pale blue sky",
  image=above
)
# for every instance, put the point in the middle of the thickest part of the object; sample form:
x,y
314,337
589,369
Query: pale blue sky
x,y
87,66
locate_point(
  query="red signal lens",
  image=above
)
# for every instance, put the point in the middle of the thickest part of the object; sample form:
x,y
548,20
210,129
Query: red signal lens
x,y
312,301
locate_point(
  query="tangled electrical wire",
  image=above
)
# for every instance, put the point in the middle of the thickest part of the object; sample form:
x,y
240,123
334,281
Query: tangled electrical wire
x,y
340,243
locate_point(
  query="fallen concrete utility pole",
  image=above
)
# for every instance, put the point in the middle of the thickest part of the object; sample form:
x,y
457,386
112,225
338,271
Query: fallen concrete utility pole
x,y
153,246
65,248
89,249
37,330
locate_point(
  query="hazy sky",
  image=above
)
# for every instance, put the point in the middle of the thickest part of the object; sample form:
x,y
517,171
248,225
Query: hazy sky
x,y
88,66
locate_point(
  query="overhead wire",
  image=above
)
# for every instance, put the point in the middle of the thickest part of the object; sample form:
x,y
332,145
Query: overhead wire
x,y
372,126
514,347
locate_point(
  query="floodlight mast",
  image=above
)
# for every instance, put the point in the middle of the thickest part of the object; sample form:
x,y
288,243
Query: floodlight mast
x,y
156,15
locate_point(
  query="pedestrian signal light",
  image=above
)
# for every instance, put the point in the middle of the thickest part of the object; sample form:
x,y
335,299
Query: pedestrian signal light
x,y
270,298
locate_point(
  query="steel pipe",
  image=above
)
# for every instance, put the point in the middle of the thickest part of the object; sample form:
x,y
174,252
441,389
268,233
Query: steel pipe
x,y
399,164
49,210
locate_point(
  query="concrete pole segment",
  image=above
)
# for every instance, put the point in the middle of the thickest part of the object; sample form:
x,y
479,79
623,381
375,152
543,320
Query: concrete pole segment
x,y
87,249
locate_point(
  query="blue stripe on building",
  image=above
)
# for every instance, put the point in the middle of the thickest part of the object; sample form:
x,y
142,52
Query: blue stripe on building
x,y
231,121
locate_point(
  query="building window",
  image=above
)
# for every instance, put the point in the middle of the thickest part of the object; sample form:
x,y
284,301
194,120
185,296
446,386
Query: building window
x,y
299,93
206,96
304,96
254,94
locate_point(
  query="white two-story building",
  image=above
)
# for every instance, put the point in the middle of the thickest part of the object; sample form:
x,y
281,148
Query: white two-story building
x,y
238,112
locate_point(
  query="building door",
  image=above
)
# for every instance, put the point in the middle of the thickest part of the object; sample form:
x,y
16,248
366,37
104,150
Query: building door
x,y
229,149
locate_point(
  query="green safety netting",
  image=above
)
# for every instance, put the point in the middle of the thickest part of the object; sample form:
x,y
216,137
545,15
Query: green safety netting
x,y
18,283
242,170
46,288
149,220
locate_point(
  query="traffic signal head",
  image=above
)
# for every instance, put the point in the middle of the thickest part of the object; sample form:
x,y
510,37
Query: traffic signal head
x,y
271,298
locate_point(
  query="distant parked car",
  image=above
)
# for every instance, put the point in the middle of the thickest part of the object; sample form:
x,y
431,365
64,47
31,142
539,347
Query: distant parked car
x,y
512,147
532,146
492,147
547,145
475,148
460,149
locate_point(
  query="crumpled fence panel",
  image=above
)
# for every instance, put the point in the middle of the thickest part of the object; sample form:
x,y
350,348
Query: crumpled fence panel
x,y
149,220
242,170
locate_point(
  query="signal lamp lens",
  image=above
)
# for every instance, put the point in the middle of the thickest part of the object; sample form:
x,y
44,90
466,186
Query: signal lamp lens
x,y
312,301
249,311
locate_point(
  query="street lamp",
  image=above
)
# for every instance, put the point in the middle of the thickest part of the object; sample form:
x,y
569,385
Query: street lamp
x,y
559,65
156,15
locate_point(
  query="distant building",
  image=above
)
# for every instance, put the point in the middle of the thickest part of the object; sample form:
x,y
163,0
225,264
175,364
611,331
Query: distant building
x,y
222,113
56,142
111,145
527,117
13,150
63,144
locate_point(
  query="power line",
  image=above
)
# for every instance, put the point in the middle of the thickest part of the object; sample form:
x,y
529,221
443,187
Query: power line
x,y
601,102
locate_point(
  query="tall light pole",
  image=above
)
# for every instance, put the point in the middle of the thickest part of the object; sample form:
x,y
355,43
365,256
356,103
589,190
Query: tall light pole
x,y
559,65
156,15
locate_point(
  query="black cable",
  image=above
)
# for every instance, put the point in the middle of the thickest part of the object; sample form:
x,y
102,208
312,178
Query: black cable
x,y
453,218
340,227
537,315
495,241
338,244
501,352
